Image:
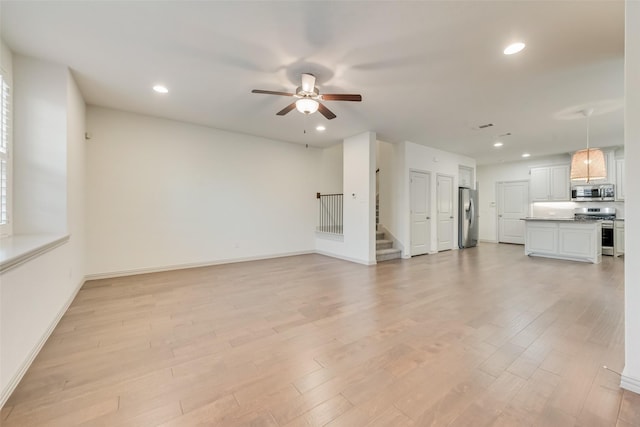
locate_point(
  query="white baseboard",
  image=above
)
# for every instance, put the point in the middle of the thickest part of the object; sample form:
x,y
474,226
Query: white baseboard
x,y
630,383
346,258
15,380
487,241
134,271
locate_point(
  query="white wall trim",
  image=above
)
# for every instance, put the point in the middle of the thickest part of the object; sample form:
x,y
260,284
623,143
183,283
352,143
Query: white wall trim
x,y
17,377
19,249
132,272
346,258
630,383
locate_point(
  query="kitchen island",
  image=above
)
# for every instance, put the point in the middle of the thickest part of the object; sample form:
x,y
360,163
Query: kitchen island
x,y
563,238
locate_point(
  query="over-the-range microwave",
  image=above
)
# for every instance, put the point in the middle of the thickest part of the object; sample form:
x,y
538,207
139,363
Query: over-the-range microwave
x,y
593,193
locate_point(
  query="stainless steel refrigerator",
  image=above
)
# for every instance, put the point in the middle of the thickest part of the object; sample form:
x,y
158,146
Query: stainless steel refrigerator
x,y
467,217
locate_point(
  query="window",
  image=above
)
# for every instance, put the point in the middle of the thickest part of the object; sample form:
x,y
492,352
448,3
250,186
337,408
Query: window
x,y
5,163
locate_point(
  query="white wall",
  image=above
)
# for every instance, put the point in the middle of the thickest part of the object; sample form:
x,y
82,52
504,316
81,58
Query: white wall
x,y
385,158
419,157
75,184
358,241
166,194
631,373
39,162
395,165
331,168
489,175
34,295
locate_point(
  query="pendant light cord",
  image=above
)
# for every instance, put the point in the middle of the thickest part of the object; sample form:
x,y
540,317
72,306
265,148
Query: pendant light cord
x,y
588,153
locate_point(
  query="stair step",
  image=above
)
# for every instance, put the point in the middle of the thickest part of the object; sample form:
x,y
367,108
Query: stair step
x,y
383,244
379,235
387,254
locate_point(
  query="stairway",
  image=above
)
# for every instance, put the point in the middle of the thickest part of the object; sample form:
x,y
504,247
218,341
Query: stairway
x,y
384,248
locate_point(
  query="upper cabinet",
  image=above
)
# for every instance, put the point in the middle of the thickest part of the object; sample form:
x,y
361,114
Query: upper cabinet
x,y
550,183
619,179
465,176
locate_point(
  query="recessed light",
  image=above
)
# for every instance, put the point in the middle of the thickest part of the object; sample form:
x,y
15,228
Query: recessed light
x,y
161,89
526,155
513,48
498,144
320,128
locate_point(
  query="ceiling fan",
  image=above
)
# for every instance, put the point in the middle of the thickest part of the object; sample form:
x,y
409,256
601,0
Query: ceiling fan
x,y
309,98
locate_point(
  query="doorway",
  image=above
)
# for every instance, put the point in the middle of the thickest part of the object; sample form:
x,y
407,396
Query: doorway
x,y
445,212
419,185
513,205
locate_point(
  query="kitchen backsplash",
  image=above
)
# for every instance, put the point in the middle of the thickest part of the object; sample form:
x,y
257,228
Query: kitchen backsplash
x,y
565,209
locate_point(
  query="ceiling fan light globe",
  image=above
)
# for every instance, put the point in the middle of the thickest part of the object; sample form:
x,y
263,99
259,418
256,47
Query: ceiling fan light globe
x,y
307,106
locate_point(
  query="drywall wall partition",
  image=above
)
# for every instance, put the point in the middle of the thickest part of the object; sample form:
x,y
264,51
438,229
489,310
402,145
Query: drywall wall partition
x,y
165,194
331,169
35,294
39,163
400,159
357,243
631,372
420,157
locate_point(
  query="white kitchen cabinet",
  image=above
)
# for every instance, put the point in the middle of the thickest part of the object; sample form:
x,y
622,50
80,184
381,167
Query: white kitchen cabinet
x,y
550,184
564,239
576,241
465,177
619,179
618,238
541,237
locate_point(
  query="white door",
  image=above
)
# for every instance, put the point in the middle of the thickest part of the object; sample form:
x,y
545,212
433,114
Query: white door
x,y
513,205
445,212
420,213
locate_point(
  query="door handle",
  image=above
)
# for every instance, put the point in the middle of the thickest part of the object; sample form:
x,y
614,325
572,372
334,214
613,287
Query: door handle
x,y
428,217
472,208
499,216
450,217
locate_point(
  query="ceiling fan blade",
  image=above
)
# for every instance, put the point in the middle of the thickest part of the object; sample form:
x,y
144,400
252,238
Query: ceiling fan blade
x,y
326,112
341,97
270,92
308,82
286,109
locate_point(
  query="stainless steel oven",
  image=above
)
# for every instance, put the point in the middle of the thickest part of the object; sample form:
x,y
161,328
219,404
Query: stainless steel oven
x,y
607,216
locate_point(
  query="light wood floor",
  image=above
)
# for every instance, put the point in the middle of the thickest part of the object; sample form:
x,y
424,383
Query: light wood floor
x,y
480,337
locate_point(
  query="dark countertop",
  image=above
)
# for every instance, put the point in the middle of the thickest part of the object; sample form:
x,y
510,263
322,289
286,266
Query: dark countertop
x,y
550,218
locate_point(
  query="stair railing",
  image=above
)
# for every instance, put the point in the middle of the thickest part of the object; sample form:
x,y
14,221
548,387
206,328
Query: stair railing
x,y
330,213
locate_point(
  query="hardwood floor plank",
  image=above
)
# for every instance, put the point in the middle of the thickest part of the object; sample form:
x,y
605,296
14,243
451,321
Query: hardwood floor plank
x,y
485,336
323,413
630,408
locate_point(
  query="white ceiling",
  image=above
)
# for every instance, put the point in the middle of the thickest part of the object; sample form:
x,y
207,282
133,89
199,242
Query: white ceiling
x,y
429,72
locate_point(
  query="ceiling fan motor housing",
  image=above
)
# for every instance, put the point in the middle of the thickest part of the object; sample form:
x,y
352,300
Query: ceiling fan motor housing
x,y
301,93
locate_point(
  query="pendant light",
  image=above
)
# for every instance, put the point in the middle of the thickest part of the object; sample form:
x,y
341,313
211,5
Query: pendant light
x,y
589,163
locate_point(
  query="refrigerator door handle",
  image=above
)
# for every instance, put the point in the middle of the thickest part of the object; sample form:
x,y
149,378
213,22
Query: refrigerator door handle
x,y
472,208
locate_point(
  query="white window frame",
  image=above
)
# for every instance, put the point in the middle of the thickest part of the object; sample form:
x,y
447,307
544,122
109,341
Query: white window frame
x,y
5,155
